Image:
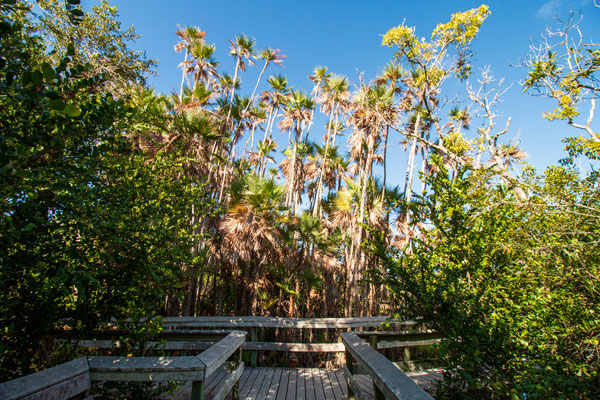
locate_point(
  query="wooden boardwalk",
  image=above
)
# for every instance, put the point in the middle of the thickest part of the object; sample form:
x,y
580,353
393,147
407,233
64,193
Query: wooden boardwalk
x,y
296,383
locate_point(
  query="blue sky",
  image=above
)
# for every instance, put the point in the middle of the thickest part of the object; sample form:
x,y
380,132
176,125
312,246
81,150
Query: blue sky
x,y
346,37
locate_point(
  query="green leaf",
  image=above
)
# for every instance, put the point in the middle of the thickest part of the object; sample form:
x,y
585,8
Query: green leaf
x,y
77,12
48,71
37,77
57,105
29,227
75,2
71,110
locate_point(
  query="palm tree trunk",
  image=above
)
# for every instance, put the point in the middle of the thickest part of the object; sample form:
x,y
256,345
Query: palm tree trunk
x,y
237,66
385,140
410,167
183,76
317,207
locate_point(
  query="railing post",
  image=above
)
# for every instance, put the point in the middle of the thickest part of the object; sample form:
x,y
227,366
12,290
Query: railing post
x,y
378,393
237,360
350,366
198,390
373,341
406,354
253,353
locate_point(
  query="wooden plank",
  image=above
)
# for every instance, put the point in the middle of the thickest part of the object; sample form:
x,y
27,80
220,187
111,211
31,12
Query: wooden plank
x,y
275,382
275,322
301,384
283,384
64,390
353,384
253,392
227,385
145,364
249,382
411,343
200,346
218,353
266,385
244,377
366,384
292,387
295,347
339,373
54,382
309,382
335,385
393,383
146,376
319,385
212,382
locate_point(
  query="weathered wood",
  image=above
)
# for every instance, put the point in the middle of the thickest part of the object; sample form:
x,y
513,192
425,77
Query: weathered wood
x,y
258,382
254,346
198,390
275,322
145,364
354,389
393,383
275,385
230,381
301,384
253,353
60,382
319,385
326,385
266,384
291,389
283,384
341,377
211,384
405,344
335,385
295,347
217,354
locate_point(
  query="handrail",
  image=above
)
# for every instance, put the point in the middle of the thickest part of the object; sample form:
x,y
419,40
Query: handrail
x,y
70,379
218,353
61,382
277,322
186,333
389,382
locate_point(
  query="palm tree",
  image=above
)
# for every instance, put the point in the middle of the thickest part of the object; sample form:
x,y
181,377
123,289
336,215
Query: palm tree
x,y
335,97
390,76
189,36
204,64
296,117
252,231
269,56
275,99
242,48
318,77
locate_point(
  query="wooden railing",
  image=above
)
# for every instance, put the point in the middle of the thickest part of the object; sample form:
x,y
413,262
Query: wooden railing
x,y
254,324
389,382
75,377
193,334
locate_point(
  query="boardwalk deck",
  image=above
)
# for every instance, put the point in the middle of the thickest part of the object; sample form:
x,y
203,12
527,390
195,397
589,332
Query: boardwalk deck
x,y
294,384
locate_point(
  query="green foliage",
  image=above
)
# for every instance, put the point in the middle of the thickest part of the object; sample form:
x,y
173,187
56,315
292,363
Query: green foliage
x,y
101,43
89,230
512,285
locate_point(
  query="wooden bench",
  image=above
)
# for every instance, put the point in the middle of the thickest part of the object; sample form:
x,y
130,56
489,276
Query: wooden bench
x,y
75,378
389,382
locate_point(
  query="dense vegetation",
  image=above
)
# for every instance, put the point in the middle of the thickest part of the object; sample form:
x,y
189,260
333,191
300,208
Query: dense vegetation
x,y
118,202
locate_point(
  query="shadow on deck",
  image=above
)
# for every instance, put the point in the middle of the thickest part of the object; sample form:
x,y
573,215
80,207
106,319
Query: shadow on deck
x,y
298,383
